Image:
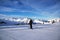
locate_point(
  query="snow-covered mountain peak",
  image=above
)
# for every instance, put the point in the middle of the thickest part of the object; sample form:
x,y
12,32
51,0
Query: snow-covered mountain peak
x,y
14,20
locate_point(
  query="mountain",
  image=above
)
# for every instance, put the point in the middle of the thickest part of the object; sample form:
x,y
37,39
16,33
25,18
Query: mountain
x,y
56,20
13,20
4,19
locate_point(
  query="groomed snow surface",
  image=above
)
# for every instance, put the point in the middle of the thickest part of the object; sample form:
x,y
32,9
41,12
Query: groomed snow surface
x,y
22,32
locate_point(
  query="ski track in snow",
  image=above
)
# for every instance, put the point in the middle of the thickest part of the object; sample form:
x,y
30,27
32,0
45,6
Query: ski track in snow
x,y
22,32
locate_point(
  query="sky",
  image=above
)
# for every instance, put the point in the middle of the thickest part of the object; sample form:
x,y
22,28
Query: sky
x,y
43,9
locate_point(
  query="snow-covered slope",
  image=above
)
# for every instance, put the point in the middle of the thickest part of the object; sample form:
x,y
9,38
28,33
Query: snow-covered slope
x,y
39,32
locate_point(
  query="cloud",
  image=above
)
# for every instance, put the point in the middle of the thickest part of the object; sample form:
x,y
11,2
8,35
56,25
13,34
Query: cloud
x,y
42,8
2,15
7,9
16,4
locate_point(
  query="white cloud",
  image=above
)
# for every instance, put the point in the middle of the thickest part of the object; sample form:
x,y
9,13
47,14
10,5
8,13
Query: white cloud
x,y
2,14
7,9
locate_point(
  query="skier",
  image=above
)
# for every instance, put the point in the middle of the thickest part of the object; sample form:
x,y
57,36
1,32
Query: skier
x,y
53,21
30,23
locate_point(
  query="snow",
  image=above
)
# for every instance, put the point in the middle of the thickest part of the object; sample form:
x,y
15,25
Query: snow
x,y
38,21
22,32
24,20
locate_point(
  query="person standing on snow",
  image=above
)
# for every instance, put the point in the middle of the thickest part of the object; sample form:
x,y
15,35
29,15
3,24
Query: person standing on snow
x,y
30,23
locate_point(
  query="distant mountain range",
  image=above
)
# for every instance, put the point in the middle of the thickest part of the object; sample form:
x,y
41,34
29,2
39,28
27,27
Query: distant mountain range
x,y
20,20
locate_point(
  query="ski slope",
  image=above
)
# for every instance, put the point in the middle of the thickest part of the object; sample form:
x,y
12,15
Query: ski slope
x,y
22,32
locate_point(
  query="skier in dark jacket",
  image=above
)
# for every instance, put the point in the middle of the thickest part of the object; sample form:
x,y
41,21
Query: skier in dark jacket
x,y
30,23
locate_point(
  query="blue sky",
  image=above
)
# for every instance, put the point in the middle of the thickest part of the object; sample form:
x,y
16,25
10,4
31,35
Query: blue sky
x,y
43,9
